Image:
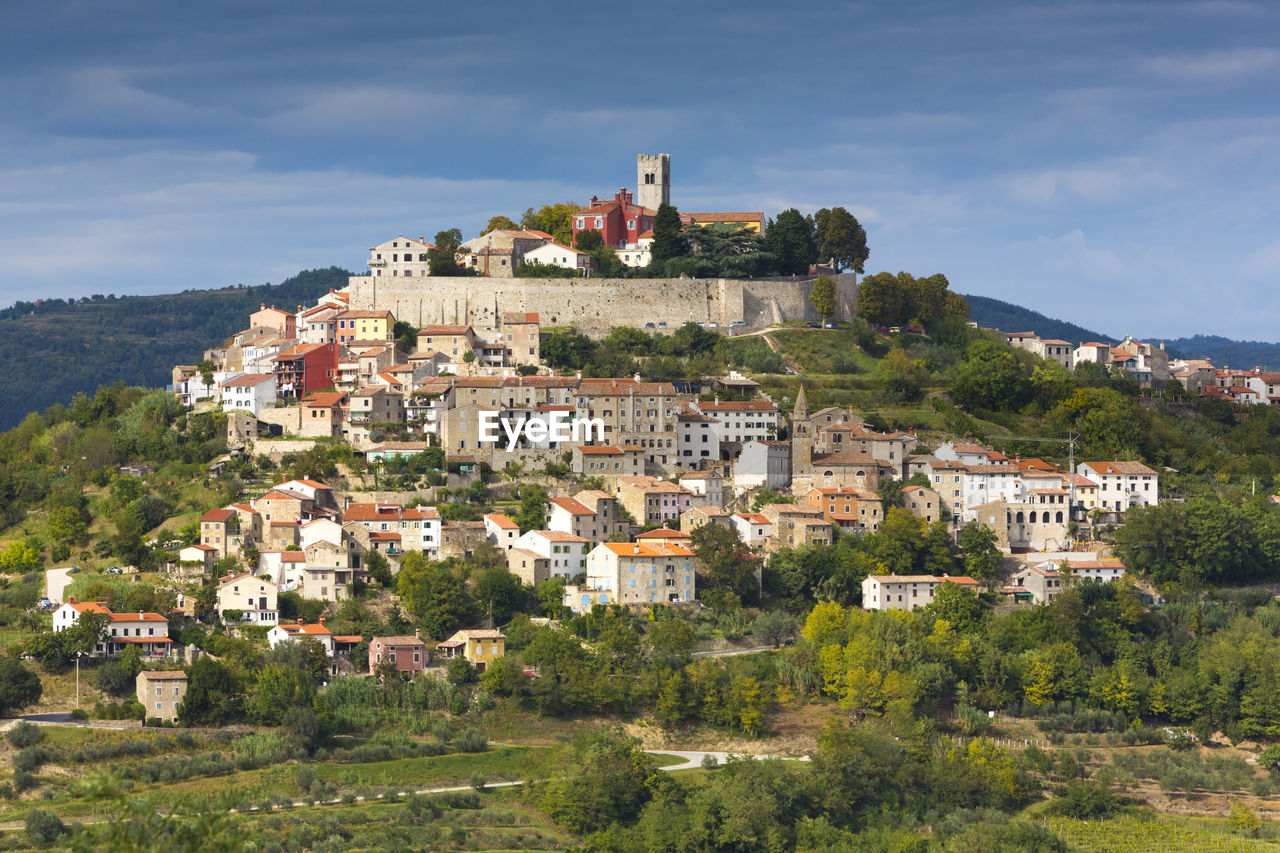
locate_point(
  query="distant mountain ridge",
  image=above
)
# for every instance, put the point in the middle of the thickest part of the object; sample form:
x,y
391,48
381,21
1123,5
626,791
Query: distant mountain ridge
x,y
1221,352
1008,317
53,349
1225,352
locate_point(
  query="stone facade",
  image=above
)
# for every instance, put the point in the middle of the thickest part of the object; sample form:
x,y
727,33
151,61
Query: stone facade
x,y
595,305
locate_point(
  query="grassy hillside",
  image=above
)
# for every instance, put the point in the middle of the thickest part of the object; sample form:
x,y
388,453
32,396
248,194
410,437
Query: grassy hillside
x,y
51,350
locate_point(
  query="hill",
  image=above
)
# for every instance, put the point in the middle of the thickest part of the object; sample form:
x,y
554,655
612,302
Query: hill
x,y
53,349
1008,317
1224,352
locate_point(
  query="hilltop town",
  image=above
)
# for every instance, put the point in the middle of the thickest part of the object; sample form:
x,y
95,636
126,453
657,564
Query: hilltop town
x,y
491,512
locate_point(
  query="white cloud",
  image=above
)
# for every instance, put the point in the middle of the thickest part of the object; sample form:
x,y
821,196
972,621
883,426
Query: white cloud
x,y
1215,65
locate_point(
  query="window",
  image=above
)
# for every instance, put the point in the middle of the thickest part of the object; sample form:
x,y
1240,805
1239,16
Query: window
x,y
599,222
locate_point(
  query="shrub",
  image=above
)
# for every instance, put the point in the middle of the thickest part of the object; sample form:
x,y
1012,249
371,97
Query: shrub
x,y
305,777
478,782
24,734
1085,801
23,781
31,757
473,740
43,827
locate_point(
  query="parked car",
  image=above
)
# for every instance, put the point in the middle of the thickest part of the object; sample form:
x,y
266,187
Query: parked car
x,y
113,570
813,325
648,325
737,323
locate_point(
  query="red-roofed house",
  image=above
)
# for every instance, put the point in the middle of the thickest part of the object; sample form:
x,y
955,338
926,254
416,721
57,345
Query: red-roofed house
x,y
566,552
148,631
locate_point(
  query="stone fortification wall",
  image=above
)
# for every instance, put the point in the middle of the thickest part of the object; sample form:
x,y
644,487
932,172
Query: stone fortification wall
x,y
595,305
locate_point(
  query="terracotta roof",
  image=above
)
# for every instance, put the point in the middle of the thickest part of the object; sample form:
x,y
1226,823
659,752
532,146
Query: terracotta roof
x,y
739,406
845,457
403,640
479,634
636,549
1119,467
248,380
520,316
603,450
664,533
501,521
923,579
557,536
752,517
573,506
724,216
293,556
163,675
218,515
324,401
444,330
355,314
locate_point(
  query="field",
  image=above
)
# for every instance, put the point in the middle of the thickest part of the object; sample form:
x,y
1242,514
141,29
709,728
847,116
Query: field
x,y
1163,833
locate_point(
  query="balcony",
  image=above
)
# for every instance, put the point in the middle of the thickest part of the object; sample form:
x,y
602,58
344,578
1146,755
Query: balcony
x,y
376,263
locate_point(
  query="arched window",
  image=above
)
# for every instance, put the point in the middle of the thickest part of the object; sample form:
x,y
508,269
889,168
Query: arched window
x,y
1059,517
1021,518
1033,516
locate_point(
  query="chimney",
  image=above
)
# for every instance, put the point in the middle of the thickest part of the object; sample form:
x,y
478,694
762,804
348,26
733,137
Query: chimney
x,y
71,599
300,621
262,306
417,633
321,620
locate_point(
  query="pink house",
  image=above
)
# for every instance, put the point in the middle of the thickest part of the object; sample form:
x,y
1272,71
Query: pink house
x,y
409,654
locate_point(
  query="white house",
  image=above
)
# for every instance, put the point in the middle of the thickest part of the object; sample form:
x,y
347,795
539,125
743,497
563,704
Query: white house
x,y
148,631
741,421
763,463
752,527
255,598
567,553
905,592
288,632
1122,484
696,438
553,254
251,392
502,531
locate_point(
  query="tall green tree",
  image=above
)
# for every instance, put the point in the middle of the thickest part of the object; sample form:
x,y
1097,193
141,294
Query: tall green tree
x,y
880,300
19,686
436,595
841,239
442,259
791,240
981,553
822,296
553,219
668,236
500,223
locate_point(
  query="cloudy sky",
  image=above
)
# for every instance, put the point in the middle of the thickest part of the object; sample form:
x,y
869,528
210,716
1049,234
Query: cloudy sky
x,y
1110,163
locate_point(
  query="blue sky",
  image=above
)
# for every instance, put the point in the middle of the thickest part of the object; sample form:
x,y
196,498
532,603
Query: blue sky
x,y
1110,163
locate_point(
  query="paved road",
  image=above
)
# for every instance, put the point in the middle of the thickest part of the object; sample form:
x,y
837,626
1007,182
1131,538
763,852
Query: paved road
x,y
724,653
46,718
693,759
56,582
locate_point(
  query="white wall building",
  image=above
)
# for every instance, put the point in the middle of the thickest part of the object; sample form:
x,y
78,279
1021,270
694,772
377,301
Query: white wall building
x,y
905,592
1122,484
400,258
251,392
567,553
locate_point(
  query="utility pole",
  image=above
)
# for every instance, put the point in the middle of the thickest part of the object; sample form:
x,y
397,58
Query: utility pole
x,y
78,654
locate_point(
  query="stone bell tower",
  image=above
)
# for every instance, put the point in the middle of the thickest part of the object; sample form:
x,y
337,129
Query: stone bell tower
x,y
801,437
653,180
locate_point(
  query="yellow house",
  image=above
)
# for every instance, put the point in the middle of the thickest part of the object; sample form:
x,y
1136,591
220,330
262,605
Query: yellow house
x,y
364,326
480,646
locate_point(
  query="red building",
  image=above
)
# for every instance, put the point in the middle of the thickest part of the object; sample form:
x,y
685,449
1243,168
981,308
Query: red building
x,y
408,654
621,222
305,368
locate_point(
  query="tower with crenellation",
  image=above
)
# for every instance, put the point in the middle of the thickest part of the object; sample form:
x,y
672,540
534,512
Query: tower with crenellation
x,y
653,180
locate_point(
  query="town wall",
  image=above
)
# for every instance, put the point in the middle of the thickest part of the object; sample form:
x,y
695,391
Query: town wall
x,y
594,305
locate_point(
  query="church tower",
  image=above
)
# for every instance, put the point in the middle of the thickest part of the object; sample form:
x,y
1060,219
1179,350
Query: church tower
x,y
653,180
801,437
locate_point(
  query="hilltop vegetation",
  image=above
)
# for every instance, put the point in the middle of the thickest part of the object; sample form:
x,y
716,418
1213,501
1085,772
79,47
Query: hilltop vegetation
x,y
54,349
